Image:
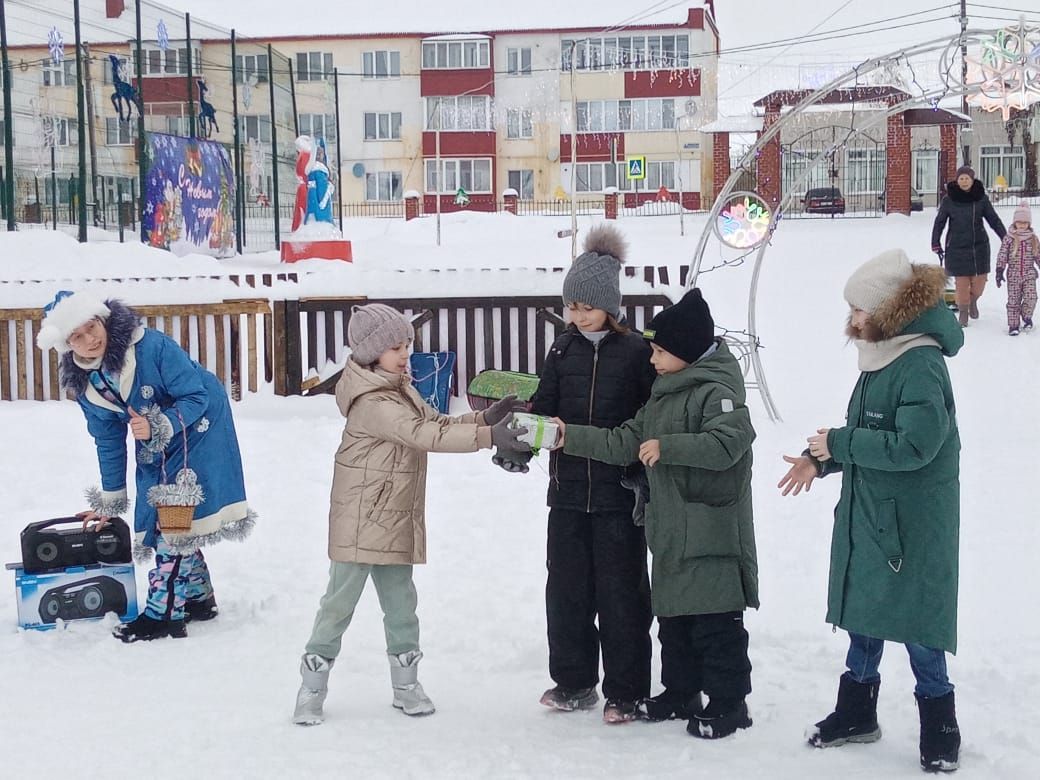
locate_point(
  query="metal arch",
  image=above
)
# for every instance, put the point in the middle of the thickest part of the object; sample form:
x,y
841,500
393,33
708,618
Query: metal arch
x,y
749,349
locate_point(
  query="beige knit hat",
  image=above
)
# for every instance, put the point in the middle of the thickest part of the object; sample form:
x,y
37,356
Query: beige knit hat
x,y
1022,214
877,280
375,328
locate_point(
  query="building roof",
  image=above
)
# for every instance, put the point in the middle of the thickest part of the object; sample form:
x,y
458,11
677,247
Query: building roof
x,y
924,117
733,124
791,97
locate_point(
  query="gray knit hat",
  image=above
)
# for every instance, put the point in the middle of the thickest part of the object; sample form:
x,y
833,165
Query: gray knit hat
x,y
878,280
593,276
375,328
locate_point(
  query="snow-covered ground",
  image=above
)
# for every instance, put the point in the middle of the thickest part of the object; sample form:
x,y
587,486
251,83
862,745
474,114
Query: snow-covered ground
x,y
76,702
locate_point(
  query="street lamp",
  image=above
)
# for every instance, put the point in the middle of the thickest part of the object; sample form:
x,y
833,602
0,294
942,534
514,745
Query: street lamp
x,y
691,111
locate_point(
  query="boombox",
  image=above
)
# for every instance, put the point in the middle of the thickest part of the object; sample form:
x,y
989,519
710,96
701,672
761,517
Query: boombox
x,y
45,547
88,598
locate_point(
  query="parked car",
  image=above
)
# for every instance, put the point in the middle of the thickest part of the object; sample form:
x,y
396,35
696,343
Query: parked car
x,y
916,200
824,200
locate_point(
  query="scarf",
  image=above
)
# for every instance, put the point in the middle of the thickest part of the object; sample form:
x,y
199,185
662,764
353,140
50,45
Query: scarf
x,y
875,355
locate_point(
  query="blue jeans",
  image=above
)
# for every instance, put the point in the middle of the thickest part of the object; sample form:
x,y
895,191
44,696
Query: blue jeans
x,y
927,663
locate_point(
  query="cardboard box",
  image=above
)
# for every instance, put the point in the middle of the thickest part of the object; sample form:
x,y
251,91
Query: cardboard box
x,y
75,593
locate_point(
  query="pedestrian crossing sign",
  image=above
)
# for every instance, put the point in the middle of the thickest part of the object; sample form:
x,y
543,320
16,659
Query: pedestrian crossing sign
x,y
635,167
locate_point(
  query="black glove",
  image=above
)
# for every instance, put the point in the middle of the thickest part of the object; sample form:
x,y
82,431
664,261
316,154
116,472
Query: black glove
x,y
939,251
499,410
638,483
1000,276
514,463
507,439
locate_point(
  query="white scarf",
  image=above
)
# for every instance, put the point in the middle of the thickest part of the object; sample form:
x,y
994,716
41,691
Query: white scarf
x,y
875,355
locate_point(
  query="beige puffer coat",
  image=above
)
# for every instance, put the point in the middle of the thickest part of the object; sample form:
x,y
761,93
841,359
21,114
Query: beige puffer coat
x,y
379,486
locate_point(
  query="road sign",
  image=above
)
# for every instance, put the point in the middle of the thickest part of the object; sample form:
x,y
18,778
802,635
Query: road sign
x,y
635,167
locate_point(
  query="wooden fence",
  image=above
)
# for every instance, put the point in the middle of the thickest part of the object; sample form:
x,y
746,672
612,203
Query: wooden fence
x,y
496,332
231,339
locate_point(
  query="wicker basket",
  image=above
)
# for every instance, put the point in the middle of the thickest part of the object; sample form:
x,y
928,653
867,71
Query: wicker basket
x,y
175,519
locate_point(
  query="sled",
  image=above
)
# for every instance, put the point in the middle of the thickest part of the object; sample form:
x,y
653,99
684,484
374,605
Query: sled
x,y
433,377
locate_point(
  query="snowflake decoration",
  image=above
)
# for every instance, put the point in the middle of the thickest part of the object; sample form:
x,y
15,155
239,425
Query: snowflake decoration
x,y
1007,75
147,392
56,44
162,35
203,425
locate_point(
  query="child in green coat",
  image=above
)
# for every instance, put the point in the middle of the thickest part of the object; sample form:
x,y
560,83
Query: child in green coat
x,y
694,436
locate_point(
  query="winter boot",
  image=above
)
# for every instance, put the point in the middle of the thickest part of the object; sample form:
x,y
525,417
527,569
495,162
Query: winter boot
x,y
940,735
1013,331
962,317
973,309
570,699
409,696
200,610
719,719
1027,323
854,718
669,705
315,687
619,711
144,629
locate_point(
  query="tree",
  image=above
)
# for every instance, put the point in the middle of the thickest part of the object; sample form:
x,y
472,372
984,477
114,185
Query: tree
x,y
1019,125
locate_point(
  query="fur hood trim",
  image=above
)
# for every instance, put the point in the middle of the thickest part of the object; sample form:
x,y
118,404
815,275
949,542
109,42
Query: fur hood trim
x,y
919,294
122,327
974,195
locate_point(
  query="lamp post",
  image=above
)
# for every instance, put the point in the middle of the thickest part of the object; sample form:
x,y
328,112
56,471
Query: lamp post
x,y
691,110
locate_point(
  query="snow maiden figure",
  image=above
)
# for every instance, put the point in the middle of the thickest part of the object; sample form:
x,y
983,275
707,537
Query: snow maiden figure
x,y
319,188
124,375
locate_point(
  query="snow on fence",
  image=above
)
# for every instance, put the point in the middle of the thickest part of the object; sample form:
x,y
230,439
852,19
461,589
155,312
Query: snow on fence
x,y
223,337
512,333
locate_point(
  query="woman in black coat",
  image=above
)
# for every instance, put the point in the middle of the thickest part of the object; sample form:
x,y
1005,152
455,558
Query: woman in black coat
x,y
966,254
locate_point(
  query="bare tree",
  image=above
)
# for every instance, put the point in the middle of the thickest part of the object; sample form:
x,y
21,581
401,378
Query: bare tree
x,y
1020,126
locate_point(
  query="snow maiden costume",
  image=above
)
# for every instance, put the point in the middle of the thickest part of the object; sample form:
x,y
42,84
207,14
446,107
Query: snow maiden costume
x,y
187,408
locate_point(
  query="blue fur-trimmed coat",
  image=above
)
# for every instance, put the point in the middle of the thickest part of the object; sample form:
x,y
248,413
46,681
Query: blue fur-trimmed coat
x,y
162,383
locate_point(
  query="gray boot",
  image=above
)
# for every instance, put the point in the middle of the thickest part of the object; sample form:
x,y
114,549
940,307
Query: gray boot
x,y
409,696
315,686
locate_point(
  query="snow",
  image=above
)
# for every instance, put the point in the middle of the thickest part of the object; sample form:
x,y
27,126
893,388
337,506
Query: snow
x,y
222,699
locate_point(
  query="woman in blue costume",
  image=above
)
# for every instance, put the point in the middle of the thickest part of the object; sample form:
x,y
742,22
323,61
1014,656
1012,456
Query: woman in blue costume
x,y
128,377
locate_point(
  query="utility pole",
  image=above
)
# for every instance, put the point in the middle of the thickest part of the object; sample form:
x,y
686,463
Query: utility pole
x,y
5,76
574,153
966,150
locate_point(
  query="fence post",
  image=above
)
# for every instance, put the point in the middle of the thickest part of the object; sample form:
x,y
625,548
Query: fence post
x,y
286,356
610,203
411,205
510,197
119,206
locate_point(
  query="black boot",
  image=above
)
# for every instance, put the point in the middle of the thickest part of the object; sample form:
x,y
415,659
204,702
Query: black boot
x,y
940,735
200,610
719,719
669,705
854,718
144,629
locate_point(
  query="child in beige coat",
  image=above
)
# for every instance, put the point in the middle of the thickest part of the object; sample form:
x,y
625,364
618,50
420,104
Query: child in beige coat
x,y
377,523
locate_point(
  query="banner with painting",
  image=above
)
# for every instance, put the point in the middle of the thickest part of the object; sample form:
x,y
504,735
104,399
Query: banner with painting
x,y
189,196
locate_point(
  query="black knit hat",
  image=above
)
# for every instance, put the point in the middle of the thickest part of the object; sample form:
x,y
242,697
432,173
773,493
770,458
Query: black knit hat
x,y
685,329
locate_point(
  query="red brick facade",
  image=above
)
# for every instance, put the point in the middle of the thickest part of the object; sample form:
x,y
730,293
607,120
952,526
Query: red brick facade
x,y
720,170
768,177
897,175
947,153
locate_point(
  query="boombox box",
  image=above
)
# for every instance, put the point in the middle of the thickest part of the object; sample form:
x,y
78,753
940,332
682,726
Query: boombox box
x,y
46,547
90,598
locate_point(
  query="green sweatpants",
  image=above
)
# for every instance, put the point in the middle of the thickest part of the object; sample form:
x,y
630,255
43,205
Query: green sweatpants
x,y
397,597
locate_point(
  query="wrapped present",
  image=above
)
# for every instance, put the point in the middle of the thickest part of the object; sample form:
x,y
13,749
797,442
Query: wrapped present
x,y
542,432
492,385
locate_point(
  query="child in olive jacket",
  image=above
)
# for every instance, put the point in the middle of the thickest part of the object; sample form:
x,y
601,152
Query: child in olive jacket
x,y
694,435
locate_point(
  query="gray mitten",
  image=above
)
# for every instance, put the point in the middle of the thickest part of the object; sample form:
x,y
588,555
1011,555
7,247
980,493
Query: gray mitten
x,y
501,409
514,463
507,439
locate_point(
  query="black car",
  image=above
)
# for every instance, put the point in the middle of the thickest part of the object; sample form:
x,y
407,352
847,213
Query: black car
x,y
824,200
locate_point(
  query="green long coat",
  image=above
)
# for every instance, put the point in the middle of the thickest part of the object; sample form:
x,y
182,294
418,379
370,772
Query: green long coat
x,y
699,523
894,550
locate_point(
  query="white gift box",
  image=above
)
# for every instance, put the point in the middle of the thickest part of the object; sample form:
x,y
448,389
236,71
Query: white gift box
x,y
542,432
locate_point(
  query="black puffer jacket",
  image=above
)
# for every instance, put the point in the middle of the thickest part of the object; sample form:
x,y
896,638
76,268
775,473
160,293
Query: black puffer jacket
x,y
967,246
600,385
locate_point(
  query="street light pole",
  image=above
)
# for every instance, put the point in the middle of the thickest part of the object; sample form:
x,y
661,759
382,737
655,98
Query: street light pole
x,y
678,174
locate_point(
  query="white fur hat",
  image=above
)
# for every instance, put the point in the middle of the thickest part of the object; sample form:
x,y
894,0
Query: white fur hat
x,y
64,314
877,280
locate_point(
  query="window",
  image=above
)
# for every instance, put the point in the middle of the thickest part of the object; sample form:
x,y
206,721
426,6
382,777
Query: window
x,y
523,182
470,175
255,128
60,131
866,171
381,64
660,174
3,133
926,170
318,126
518,62
172,62
125,70
651,52
518,123
1006,161
597,116
466,112
594,177
251,65
795,163
60,75
119,133
313,65
383,126
456,54
178,125
385,185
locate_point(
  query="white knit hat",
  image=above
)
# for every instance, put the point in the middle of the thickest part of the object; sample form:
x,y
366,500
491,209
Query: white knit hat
x,y
1023,214
64,314
877,280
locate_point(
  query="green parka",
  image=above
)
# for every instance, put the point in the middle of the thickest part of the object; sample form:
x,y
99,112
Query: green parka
x,y
894,550
699,523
